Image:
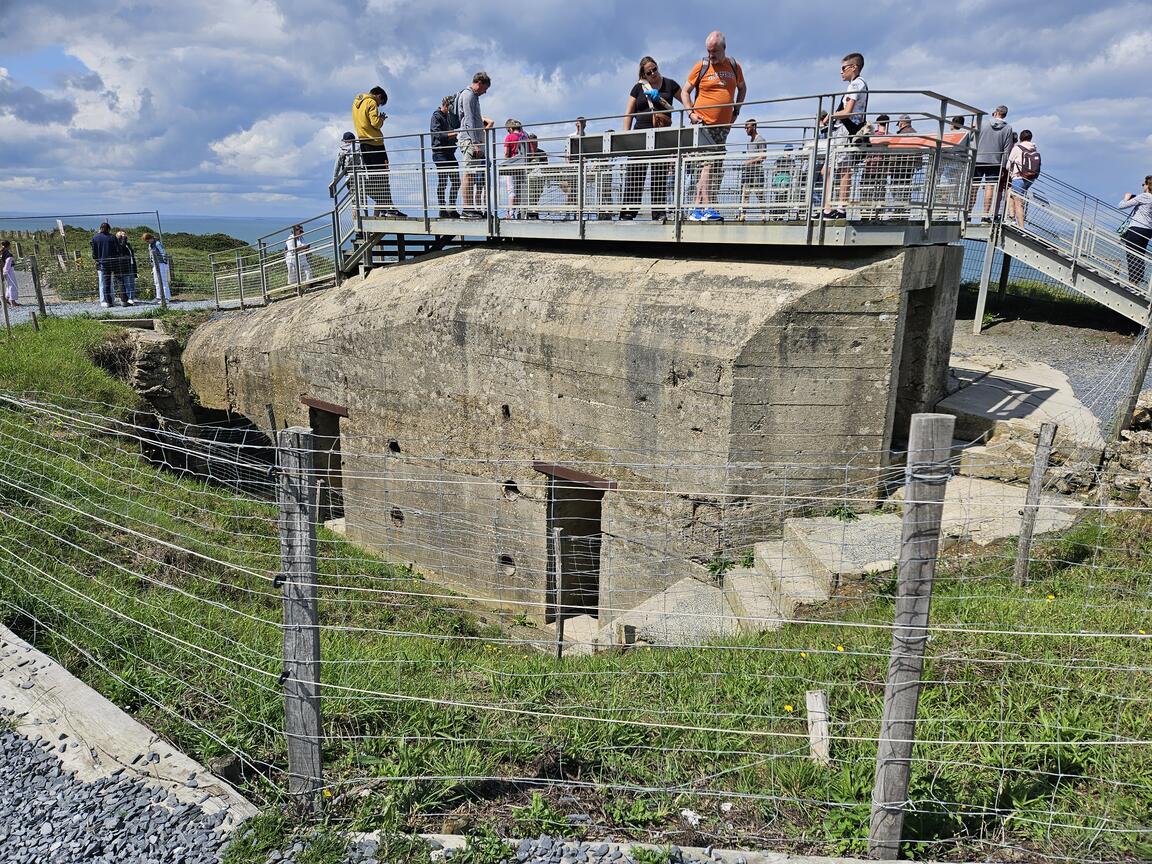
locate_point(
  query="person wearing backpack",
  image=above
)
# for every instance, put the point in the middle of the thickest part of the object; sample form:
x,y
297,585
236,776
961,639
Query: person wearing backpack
x,y
649,106
516,149
368,120
713,97
443,128
470,135
1023,169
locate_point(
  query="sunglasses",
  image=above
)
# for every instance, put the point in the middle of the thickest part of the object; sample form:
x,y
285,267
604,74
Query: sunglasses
x,y
651,71
847,66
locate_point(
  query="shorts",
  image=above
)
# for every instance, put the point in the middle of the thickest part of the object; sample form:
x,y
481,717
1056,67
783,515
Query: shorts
x,y
1022,185
714,137
471,151
752,178
986,174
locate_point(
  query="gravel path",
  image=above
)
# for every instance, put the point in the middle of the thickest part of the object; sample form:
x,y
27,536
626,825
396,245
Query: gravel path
x,y
47,815
22,314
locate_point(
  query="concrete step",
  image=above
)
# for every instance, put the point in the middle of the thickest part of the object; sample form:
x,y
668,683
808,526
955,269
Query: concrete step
x,y
753,600
838,548
799,577
686,613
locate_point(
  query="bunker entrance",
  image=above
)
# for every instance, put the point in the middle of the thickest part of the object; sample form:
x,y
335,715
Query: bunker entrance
x,y
575,506
327,462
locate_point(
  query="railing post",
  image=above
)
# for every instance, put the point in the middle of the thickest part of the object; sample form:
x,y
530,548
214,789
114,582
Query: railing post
x,y
1123,418
985,277
678,184
424,187
580,190
262,257
813,161
929,449
337,273
301,675
215,283
1032,501
240,276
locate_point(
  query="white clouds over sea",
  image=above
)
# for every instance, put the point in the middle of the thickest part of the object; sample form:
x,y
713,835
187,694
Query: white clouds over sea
x,y
237,107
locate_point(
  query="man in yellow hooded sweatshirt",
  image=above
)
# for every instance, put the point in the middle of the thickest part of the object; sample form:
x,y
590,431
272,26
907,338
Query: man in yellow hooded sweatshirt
x,y
368,121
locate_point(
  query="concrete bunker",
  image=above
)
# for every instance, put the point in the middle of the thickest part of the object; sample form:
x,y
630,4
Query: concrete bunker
x,y
660,412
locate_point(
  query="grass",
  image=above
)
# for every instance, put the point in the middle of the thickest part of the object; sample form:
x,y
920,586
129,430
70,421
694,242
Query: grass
x,y
434,722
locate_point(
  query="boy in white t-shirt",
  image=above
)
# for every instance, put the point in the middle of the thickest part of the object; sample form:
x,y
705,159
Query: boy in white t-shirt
x,y
848,118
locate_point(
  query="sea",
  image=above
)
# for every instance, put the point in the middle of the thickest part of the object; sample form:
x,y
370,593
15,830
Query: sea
x,y
246,228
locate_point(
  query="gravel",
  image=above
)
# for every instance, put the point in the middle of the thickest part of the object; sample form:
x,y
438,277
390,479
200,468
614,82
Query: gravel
x,y
48,815
1093,360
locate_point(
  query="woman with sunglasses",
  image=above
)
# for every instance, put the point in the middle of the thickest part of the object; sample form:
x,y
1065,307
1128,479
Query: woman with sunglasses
x,y
649,106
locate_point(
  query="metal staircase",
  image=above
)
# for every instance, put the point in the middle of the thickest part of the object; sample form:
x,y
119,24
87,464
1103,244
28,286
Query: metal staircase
x,y
1071,237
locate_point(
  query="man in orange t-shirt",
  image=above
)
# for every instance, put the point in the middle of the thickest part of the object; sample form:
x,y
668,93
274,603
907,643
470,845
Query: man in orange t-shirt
x,y
714,84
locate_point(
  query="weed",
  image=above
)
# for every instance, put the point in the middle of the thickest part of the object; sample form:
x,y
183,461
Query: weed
x,y
845,514
484,847
720,564
748,559
646,855
539,818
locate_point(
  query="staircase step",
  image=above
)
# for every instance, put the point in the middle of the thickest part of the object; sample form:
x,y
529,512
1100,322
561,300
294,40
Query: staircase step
x,y
847,548
799,577
753,600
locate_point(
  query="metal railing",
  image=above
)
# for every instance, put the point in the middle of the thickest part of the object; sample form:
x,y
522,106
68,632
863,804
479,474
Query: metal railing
x,y
665,174
279,264
1083,229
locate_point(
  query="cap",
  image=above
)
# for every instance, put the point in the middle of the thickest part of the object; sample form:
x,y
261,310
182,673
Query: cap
x,y
349,136
904,117
451,97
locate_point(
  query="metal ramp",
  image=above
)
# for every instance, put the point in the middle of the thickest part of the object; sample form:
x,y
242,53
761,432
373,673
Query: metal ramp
x,y
1071,237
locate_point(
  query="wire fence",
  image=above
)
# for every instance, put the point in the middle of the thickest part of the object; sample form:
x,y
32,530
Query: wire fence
x,y
666,649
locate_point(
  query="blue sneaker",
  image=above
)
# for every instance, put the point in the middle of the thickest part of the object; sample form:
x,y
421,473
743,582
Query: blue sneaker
x,y
710,215
696,215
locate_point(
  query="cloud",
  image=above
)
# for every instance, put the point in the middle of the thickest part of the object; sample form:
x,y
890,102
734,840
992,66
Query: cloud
x,y
227,104
30,105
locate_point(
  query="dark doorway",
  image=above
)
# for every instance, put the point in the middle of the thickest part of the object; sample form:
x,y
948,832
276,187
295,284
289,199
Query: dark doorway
x,y
575,506
327,463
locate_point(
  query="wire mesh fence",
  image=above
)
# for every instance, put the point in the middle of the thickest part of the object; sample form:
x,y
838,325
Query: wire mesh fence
x,y
636,643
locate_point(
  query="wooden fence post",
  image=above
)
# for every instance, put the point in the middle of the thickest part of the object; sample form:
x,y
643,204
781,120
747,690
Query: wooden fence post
x,y
1032,501
34,266
301,676
558,592
929,449
816,703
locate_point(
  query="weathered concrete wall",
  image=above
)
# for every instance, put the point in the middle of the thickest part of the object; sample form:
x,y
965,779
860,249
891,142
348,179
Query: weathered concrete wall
x,y
723,389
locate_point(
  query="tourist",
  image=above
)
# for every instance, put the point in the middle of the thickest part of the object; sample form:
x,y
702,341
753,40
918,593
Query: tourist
x,y
444,158
368,120
903,167
470,143
715,92
650,103
874,170
296,257
1138,232
126,270
161,274
104,254
345,156
845,122
8,274
536,175
992,146
957,125
752,169
515,166
1023,169
904,126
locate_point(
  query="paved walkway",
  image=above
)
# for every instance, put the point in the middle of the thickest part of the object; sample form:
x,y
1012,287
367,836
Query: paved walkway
x,y
22,314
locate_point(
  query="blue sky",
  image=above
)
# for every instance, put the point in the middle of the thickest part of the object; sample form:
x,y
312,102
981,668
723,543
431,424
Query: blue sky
x,y
236,108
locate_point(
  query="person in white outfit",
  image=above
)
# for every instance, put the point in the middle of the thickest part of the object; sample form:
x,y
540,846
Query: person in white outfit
x,y
8,274
161,275
299,267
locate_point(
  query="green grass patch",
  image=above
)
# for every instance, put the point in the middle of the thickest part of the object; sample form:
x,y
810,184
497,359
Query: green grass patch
x,y
158,591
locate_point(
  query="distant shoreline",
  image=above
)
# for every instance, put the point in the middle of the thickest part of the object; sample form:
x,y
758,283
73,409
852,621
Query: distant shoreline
x,y
246,228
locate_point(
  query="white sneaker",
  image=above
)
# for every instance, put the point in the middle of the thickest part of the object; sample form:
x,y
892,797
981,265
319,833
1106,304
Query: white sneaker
x,y
130,303
103,304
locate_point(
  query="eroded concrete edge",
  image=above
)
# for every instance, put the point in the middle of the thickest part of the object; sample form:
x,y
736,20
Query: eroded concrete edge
x,y
93,738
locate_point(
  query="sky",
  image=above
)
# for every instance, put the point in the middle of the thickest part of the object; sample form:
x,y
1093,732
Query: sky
x,y
236,108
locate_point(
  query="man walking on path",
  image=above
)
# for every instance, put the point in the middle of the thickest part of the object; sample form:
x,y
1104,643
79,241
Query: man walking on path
x,y
105,252
752,169
368,121
713,96
996,139
470,142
